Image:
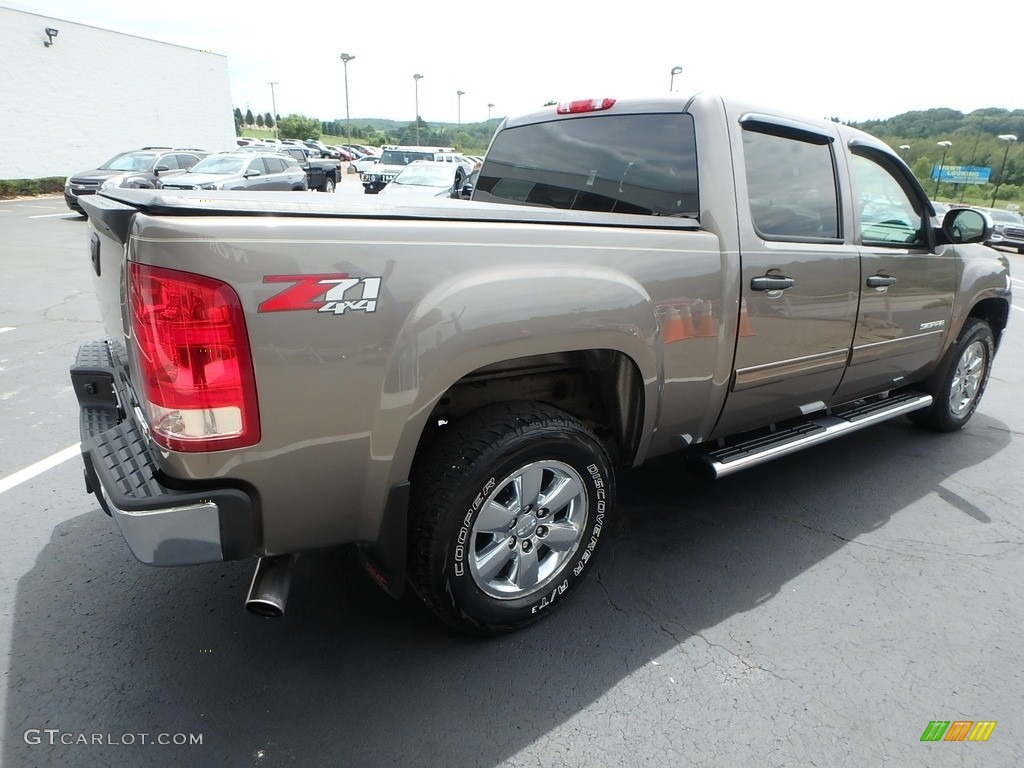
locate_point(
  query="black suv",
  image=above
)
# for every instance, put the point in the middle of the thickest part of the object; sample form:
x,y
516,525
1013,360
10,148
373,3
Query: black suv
x,y
138,168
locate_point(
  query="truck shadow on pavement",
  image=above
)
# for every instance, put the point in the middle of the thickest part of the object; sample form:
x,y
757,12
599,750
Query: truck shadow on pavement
x,y
103,645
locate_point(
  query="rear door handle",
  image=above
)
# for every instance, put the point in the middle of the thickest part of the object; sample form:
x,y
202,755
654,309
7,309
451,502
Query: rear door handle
x,y
880,281
771,283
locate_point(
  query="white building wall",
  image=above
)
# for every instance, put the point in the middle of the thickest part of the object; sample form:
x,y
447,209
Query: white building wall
x,y
93,93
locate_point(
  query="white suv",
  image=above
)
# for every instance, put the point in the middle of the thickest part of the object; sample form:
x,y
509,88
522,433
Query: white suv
x,y
394,159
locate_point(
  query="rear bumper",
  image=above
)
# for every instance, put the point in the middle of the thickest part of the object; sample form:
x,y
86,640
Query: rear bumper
x,y
185,524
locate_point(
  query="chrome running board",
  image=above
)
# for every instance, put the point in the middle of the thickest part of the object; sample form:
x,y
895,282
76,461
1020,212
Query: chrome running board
x,y
848,418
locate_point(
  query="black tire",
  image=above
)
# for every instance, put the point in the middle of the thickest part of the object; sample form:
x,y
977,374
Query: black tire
x,y
490,498
960,381
328,186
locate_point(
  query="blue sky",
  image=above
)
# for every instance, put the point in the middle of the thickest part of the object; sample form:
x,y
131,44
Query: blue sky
x,y
853,61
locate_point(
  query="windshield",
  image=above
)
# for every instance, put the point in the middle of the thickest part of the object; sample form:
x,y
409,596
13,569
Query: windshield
x,y
427,175
219,164
396,157
129,161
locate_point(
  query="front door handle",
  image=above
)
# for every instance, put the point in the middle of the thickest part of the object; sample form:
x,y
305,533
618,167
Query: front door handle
x,y
771,283
881,281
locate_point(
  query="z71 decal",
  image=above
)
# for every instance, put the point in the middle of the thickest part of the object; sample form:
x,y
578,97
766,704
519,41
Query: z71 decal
x,y
335,294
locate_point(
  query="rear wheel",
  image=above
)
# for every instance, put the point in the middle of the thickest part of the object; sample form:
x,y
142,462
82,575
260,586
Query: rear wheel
x,y
328,185
957,387
509,507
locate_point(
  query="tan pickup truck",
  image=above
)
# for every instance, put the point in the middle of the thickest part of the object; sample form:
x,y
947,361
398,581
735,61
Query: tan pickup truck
x,y
451,389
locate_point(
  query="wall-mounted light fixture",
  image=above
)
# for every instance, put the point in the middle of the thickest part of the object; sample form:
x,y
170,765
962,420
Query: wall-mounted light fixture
x,y
50,34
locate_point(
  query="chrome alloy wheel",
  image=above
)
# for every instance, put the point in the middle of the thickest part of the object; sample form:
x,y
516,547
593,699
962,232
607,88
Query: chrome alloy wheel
x,y
970,370
527,529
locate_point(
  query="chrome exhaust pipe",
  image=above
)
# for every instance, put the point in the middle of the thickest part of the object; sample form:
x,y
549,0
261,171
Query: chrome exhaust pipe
x,y
268,592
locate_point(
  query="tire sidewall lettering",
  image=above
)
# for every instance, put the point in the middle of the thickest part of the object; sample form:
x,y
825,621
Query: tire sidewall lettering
x,y
460,581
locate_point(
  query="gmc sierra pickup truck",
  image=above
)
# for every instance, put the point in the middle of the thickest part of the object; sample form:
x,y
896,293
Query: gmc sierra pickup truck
x,y
451,389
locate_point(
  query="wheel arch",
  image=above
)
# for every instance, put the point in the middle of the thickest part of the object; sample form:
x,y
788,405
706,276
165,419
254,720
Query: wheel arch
x,y
993,311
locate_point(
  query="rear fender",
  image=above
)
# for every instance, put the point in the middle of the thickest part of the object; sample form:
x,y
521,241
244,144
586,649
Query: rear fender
x,y
491,316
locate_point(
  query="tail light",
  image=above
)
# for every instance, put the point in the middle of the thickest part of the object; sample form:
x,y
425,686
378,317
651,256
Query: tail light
x,y
584,105
194,359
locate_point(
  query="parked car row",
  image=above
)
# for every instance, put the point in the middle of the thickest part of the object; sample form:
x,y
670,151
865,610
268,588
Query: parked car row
x,y
422,172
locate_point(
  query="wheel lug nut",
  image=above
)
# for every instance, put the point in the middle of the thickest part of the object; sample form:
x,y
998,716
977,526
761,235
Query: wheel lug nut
x,y
527,546
542,512
511,542
542,530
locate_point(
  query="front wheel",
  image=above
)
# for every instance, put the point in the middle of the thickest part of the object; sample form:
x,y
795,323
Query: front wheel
x,y
509,507
328,186
957,386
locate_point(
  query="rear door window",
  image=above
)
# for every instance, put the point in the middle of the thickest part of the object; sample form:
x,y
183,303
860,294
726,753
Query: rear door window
x,y
640,164
791,184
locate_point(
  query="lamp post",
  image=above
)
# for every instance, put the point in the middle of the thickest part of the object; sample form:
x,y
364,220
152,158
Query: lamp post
x,y
345,59
903,152
273,104
672,80
1009,138
460,94
416,79
938,176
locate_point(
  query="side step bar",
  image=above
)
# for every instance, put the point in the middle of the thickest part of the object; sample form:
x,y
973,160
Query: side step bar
x,y
849,418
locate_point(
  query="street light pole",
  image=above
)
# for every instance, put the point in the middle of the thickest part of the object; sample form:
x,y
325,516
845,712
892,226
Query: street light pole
x,y
345,59
903,152
938,176
1009,138
460,94
416,79
489,106
672,79
273,105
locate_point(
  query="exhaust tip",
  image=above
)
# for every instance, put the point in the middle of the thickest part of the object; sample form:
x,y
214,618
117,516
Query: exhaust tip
x,y
268,593
268,609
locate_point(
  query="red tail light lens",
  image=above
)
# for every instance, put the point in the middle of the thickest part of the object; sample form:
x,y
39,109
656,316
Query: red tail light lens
x,y
195,361
584,105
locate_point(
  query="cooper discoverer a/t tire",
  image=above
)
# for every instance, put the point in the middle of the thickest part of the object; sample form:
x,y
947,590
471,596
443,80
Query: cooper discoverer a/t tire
x,y
509,509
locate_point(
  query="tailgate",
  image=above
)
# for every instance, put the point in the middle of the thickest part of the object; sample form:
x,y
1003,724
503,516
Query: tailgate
x,y
109,222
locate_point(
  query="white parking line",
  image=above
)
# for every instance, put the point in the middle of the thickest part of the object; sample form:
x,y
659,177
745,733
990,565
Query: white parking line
x,y
51,215
1017,308
39,467
7,328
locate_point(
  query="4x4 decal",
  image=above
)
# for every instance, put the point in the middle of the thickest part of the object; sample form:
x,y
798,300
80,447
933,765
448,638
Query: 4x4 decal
x,y
333,293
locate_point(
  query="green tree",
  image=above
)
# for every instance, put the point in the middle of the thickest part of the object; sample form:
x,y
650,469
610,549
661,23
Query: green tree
x,y
249,120
299,127
268,120
259,121
238,121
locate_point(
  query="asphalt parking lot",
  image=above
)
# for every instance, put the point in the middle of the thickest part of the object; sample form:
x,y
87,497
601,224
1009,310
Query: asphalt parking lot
x,y
820,610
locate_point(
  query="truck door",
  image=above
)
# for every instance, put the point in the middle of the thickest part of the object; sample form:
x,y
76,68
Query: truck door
x,y
799,277
906,296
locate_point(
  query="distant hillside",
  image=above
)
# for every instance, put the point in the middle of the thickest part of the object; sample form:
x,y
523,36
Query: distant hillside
x,y
941,123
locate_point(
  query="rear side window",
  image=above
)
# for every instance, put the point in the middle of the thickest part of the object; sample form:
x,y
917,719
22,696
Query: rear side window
x,y
274,165
642,164
791,184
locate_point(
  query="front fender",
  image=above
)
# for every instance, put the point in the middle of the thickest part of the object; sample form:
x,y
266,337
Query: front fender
x,y
985,275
